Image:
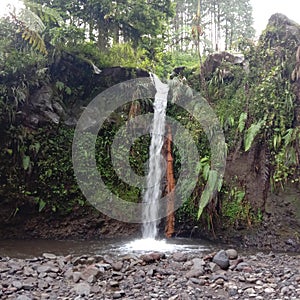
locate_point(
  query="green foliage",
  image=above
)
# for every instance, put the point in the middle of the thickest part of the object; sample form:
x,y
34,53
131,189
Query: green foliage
x,y
251,133
66,36
237,210
126,56
46,14
242,122
213,184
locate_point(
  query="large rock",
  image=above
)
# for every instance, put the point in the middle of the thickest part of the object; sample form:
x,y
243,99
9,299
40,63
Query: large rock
x,y
222,260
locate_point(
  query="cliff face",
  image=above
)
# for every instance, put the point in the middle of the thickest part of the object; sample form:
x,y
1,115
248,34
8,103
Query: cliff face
x,y
259,202
73,84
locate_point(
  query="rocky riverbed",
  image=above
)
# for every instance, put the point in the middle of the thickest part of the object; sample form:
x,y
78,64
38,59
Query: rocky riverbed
x,y
220,275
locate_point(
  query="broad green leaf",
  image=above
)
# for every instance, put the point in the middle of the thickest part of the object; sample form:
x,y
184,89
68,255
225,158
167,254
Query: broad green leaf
x,y
211,186
242,121
251,134
42,205
26,162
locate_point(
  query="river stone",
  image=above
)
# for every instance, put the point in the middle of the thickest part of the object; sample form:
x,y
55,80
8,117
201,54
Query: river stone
x,y
44,269
269,290
198,263
214,267
82,289
157,256
17,284
43,284
91,279
179,257
118,294
69,273
22,297
29,283
221,259
90,271
250,291
194,273
232,253
147,258
243,266
114,283
49,255
117,266
28,271
76,276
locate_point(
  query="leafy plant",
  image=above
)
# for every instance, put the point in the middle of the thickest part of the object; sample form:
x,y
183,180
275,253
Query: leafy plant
x,y
252,133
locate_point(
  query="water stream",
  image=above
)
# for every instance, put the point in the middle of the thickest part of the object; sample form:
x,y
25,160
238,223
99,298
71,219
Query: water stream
x,y
153,189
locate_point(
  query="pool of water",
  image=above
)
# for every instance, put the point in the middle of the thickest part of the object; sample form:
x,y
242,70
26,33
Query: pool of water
x,y
34,248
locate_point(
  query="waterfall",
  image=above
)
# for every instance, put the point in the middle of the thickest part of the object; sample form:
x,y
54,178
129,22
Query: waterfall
x,y
156,171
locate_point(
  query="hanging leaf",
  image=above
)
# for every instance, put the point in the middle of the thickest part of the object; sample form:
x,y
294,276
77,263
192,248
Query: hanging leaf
x,y
288,136
26,162
9,151
212,185
242,121
42,204
251,134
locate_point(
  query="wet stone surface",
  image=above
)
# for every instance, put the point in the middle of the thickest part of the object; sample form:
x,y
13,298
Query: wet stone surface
x,y
220,275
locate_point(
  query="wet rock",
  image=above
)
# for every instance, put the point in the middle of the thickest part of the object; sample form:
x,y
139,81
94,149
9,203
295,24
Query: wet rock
x,y
221,259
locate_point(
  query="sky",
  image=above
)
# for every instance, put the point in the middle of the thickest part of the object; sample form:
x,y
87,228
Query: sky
x,y
262,10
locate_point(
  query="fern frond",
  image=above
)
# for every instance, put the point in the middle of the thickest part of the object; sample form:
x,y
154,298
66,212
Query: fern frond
x,y
34,38
251,134
31,20
45,13
242,121
288,136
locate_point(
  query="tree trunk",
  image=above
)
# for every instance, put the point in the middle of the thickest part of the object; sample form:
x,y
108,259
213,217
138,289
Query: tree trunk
x,y
170,225
102,34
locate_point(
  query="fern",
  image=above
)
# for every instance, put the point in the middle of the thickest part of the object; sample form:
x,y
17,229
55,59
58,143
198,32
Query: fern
x,y
242,121
45,13
252,133
288,136
35,40
212,185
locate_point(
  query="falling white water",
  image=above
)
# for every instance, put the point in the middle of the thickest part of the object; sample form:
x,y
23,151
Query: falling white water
x,y
153,190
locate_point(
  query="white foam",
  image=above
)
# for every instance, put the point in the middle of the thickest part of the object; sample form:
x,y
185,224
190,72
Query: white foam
x,y
149,244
